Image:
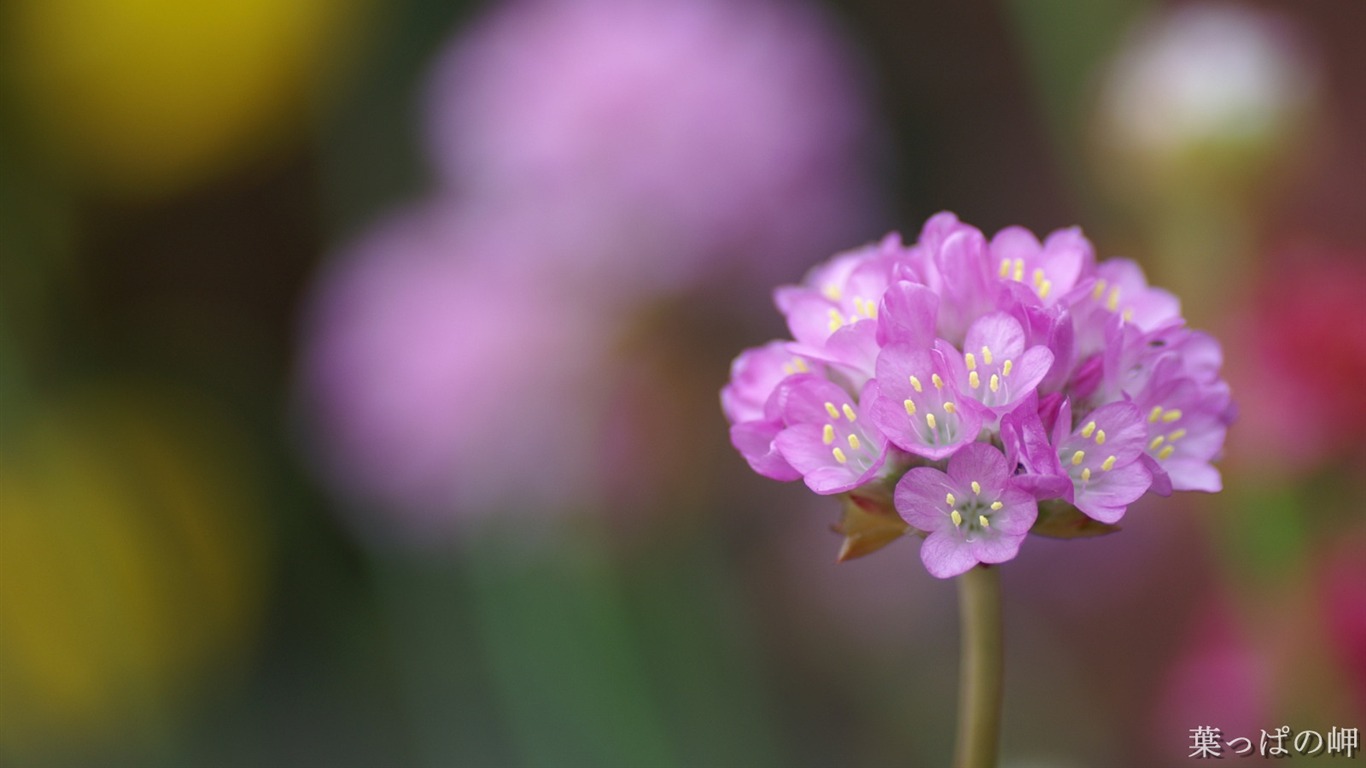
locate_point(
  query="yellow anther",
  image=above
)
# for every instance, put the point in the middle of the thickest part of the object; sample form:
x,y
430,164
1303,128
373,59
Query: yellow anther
x,y
1155,414
836,322
995,383
974,380
1100,437
1098,290
996,505
832,292
1171,415
1077,457
976,487
1128,315
982,519
788,369
929,419
956,518
1019,270
839,455
1166,453
915,384
951,499
1085,474
1005,267
949,407
1112,302
910,407
832,410
938,382
828,435
1006,367
1108,464
1157,441
853,442
849,412
986,355
971,361
1088,430
800,364
1037,277
1045,289
1177,435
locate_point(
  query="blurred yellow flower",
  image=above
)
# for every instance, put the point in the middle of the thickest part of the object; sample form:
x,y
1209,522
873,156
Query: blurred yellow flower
x,y
130,564
147,96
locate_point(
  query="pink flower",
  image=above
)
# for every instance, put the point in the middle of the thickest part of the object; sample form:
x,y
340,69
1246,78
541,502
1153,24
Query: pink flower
x,y
956,347
690,131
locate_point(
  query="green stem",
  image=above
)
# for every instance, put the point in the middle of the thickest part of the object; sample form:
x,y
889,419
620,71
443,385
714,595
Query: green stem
x,y
979,682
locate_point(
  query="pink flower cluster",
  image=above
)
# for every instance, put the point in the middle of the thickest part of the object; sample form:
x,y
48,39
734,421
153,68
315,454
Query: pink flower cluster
x,y
980,378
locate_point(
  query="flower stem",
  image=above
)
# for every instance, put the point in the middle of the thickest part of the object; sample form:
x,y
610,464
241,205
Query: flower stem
x,y
979,682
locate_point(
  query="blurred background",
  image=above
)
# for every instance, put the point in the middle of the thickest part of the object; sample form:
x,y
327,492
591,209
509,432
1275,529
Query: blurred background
x,y
359,365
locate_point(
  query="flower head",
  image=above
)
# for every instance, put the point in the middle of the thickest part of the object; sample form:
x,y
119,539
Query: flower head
x,y
981,377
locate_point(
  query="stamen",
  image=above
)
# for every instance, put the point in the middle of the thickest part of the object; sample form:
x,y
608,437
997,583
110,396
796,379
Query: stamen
x,y
839,456
938,382
800,364
950,408
1088,430
1128,315
984,521
995,383
1019,270
1155,414
1100,437
1177,435
1077,457
832,292
1156,442
1005,369
976,487
1171,415
996,505
849,412
915,384
1045,289
836,322
956,518
853,442
974,380
929,419
788,369
986,355
971,361
951,499
1099,289
1005,267
832,410
1112,303
1038,277
1085,474
828,436
910,407
1166,453
1108,464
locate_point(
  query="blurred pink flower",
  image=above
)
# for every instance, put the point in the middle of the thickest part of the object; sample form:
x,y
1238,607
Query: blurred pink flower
x,y
696,138
1220,680
441,387
1342,602
1299,352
